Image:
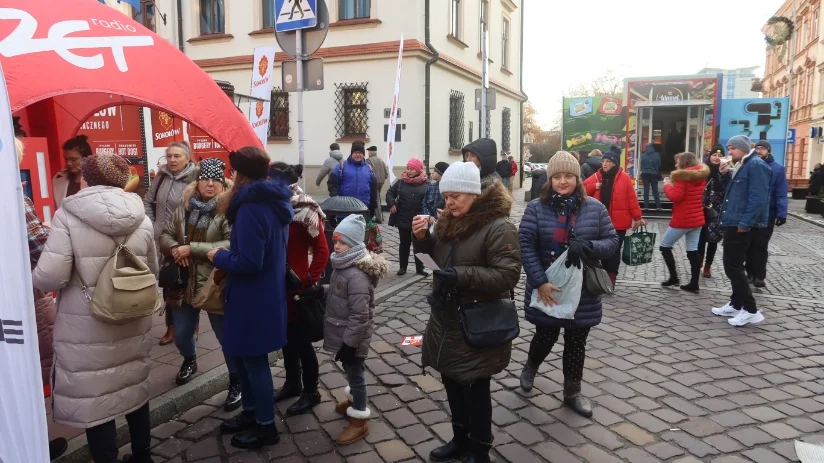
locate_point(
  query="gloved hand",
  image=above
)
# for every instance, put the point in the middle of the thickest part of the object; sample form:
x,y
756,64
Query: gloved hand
x,y
346,354
578,249
313,292
780,221
446,278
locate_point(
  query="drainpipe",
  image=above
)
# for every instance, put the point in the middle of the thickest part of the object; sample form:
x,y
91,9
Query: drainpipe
x,y
521,88
427,87
180,25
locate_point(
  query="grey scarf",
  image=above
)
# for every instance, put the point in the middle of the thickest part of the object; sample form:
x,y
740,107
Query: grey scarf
x,y
201,213
348,258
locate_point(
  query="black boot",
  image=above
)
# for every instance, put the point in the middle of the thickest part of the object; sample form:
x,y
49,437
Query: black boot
x,y
574,400
695,271
233,399
528,375
289,389
257,437
57,447
478,452
402,271
670,261
187,370
241,422
304,404
456,449
143,457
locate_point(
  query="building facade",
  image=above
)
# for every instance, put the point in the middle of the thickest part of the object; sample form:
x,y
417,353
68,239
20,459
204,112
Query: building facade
x,y
737,82
360,57
807,105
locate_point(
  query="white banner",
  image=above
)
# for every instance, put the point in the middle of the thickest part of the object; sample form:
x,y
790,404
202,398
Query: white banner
x,y
393,116
264,60
23,431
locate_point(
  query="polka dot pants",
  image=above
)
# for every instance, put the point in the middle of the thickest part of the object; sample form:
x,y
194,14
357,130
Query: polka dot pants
x,y
575,342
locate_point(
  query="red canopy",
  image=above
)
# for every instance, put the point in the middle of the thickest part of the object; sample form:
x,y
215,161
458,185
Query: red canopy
x,y
54,49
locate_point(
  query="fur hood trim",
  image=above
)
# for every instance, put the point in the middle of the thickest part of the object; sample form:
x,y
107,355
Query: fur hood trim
x,y
494,203
190,190
691,174
374,265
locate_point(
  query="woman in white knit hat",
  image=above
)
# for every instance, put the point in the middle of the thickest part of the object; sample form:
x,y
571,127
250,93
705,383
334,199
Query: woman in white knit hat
x,y
476,248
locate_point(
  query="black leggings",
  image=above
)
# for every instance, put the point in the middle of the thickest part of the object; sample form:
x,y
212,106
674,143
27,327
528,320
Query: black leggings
x,y
299,357
612,264
575,343
471,407
703,244
102,438
405,235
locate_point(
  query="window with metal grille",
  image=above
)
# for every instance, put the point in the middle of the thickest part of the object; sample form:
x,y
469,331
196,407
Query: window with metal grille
x,y
352,118
456,120
212,17
279,115
506,116
354,9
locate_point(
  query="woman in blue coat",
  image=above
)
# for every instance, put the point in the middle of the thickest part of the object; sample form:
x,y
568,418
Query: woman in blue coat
x,y
563,219
259,211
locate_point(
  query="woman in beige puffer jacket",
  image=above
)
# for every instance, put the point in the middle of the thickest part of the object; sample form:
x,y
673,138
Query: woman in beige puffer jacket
x,y
101,370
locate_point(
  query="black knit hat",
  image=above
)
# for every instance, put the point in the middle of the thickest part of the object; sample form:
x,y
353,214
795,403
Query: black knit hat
x,y
372,148
441,167
250,161
286,173
718,148
358,147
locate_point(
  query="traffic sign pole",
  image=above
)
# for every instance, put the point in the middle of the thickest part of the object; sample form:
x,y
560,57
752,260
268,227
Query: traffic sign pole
x,y
299,46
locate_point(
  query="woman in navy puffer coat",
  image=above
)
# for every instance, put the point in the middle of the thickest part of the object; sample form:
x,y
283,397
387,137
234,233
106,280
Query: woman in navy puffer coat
x,y
563,219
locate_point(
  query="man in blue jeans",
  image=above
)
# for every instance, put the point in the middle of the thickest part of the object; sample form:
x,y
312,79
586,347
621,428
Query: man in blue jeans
x,y
744,217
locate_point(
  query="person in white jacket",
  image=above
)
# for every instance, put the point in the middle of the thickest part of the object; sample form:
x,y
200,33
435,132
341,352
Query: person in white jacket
x,y
101,370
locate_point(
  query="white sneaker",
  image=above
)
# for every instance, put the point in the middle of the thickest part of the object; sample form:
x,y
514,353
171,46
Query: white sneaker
x,y
726,311
746,318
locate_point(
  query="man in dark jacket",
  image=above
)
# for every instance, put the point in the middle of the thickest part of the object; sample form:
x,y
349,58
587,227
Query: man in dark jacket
x,y
593,163
504,169
354,177
650,167
483,152
816,179
759,254
744,219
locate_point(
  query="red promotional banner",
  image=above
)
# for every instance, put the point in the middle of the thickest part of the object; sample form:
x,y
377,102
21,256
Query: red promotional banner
x,y
115,130
204,146
165,129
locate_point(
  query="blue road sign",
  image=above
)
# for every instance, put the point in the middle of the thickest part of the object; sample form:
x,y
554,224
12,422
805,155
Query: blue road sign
x,y
295,14
791,136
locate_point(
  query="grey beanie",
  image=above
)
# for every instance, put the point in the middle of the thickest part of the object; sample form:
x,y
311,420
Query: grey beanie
x,y
741,142
765,144
461,177
351,230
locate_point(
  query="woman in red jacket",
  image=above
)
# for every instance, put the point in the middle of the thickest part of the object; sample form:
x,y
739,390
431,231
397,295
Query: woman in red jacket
x,y
305,233
685,188
613,187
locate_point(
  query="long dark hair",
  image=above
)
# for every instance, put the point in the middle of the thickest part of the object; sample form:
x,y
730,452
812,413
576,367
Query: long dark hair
x,y
80,144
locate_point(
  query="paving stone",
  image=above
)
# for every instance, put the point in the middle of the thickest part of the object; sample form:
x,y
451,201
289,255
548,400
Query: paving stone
x,y
762,455
302,423
683,406
636,455
535,415
563,434
634,434
723,443
668,415
206,448
555,453
697,447
644,403
601,436
368,457
503,417
751,437
701,427
430,418
427,384
197,412
764,414
314,443
422,406
614,404
246,457
664,450
386,403
509,400
780,430
167,430
394,450
786,450
729,459
517,453
605,417
407,393
199,429
285,447
400,418
805,425
593,454
648,422
416,434
172,447
424,448
716,405
524,433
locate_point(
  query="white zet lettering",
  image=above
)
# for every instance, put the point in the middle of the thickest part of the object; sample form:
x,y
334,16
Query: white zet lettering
x,y
21,41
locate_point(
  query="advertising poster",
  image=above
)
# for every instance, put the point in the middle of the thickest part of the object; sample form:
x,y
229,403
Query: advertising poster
x,y
759,119
166,129
595,122
204,146
264,58
115,130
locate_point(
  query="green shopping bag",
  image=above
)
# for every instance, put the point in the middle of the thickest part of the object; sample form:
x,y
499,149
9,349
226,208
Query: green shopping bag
x,y
638,247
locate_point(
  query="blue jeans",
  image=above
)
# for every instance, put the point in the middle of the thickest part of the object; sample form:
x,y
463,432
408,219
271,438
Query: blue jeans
x,y
356,376
672,235
256,387
186,319
651,181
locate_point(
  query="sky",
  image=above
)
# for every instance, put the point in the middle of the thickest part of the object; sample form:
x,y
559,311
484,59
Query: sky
x,y
567,42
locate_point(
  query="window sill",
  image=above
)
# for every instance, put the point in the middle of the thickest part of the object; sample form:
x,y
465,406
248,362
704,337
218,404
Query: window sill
x,y
350,139
455,151
279,141
363,22
506,71
481,57
264,31
460,43
210,37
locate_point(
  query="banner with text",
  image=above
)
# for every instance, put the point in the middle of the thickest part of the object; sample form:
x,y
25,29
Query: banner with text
x,y
393,116
115,130
23,430
757,118
166,129
204,146
264,60
593,122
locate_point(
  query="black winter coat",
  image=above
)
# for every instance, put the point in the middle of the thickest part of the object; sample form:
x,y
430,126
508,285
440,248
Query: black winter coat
x,y
504,169
408,199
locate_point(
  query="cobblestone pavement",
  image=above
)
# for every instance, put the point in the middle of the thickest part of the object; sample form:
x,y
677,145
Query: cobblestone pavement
x,y
669,382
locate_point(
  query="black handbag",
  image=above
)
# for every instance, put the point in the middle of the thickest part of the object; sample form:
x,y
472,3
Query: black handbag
x,y
597,279
393,217
489,323
172,276
311,309
710,214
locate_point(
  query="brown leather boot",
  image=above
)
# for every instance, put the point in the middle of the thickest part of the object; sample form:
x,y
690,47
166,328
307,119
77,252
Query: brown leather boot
x,y
341,407
707,271
358,427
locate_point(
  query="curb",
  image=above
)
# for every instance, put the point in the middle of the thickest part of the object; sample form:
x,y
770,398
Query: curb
x,y
805,219
162,408
385,294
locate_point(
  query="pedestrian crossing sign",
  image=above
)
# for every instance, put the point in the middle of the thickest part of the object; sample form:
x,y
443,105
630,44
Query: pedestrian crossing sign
x,y
295,14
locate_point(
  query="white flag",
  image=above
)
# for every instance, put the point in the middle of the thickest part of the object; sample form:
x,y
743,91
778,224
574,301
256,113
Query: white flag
x,y
264,60
393,116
